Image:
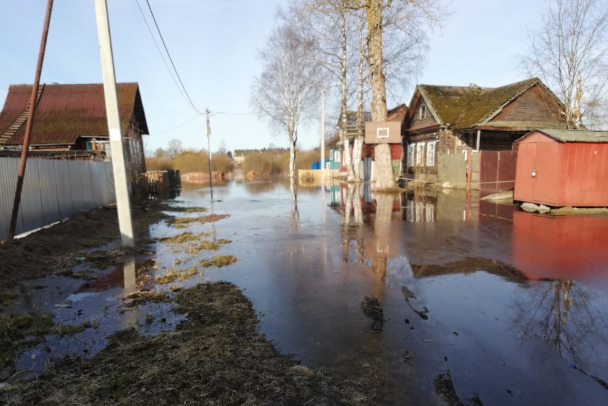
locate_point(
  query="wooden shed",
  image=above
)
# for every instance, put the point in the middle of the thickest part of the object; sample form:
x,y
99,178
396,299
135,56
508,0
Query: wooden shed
x,y
562,168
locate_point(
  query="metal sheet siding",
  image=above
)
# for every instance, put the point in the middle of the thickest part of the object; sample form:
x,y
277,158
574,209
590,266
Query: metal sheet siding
x,y
52,191
8,183
567,173
585,173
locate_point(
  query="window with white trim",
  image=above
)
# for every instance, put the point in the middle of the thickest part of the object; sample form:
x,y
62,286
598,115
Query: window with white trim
x,y
422,115
420,154
430,153
410,154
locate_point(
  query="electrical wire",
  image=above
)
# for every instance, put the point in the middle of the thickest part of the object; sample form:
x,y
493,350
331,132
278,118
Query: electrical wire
x,y
171,60
160,52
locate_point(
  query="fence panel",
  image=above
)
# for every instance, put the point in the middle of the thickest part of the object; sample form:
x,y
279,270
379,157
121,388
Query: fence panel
x,y
52,191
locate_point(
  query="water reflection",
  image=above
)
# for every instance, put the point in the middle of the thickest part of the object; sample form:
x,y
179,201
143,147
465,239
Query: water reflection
x,y
561,247
431,259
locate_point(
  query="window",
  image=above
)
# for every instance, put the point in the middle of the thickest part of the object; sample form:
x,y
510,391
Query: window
x,y
410,154
422,112
419,154
430,153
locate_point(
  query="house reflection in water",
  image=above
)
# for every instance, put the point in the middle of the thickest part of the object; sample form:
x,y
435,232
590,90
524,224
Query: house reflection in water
x,y
561,247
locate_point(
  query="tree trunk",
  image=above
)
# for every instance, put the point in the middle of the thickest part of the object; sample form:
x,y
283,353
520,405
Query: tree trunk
x,y
343,70
384,170
374,59
358,147
357,150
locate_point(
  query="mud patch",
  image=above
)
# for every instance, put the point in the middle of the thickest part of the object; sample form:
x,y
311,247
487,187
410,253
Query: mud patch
x,y
373,309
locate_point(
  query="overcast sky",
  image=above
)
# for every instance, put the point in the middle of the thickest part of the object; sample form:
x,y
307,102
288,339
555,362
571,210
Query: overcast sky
x,y
214,45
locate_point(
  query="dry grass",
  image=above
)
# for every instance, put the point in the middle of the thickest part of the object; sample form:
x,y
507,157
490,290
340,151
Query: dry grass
x,y
141,297
19,331
219,261
184,222
182,238
176,274
216,357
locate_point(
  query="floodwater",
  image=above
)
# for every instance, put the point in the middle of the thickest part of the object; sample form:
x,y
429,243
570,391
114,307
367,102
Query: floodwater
x,y
509,307
531,332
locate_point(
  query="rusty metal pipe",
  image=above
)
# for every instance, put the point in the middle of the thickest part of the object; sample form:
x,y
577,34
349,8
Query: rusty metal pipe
x,y
30,120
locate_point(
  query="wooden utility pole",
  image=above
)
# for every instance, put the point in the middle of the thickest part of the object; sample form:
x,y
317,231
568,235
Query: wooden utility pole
x,y
116,146
209,149
30,122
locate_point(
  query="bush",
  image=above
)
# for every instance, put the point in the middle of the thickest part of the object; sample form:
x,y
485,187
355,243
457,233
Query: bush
x,y
159,164
264,163
222,162
190,161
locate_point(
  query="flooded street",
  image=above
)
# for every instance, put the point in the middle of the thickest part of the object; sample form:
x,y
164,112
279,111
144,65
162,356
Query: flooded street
x,y
509,307
429,298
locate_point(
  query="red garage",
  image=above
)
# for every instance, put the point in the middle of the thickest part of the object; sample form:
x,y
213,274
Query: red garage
x,y
562,168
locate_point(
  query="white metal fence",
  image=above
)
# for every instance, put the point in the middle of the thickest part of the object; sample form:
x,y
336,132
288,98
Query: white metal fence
x,y
52,191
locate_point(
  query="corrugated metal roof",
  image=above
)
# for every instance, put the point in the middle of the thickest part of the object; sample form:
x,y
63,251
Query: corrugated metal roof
x,y
576,135
66,112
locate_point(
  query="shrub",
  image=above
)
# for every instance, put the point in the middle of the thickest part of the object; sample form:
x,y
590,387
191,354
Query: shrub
x,y
222,162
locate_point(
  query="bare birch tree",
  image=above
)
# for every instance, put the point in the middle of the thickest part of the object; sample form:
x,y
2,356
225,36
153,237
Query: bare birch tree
x,y
326,24
285,90
409,16
570,52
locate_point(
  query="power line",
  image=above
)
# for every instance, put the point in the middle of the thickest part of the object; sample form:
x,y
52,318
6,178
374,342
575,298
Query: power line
x,y
171,59
160,52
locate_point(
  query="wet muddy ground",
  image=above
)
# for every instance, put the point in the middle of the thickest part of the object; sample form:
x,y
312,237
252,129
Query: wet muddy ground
x,y
426,298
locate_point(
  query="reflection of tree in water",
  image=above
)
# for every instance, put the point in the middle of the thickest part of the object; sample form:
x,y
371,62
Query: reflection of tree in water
x,y
563,316
257,188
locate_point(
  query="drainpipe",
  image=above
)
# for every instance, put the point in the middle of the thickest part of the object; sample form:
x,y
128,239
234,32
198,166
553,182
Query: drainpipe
x,y
478,140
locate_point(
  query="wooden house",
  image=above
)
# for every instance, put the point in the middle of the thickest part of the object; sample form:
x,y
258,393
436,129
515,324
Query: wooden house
x,y
563,168
461,120
73,118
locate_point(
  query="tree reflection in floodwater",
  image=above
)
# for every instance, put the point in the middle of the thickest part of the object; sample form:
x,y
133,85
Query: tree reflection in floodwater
x,y
562,314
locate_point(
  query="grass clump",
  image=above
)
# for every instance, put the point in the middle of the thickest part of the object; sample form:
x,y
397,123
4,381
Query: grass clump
x,y
219,261
63,330
216,357
141,297
7,297
184,222
174,274
182,238
19,331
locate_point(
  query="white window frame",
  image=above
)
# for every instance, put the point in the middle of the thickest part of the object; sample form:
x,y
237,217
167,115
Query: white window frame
x,y
411,155
420,154
422,114
430,153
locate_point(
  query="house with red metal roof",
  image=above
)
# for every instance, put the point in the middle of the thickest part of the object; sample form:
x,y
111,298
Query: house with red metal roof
x,y
462,120
73,118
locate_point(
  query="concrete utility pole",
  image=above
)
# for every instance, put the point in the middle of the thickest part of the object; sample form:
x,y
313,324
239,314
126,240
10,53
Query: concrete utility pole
x,y
118,157
209,149
30,122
